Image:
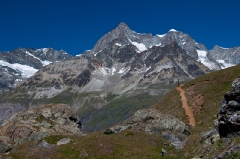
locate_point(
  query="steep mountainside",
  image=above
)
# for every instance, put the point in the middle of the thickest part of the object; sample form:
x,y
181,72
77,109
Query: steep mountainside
x,y
139,136
124,72
226,56
204,96
116,73
123,35
20,64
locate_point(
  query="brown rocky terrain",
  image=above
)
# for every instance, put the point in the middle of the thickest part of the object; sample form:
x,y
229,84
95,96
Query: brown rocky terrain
x,y
36,123
154,122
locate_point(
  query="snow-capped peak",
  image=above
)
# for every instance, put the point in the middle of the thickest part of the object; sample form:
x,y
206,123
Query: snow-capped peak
x,y
172,30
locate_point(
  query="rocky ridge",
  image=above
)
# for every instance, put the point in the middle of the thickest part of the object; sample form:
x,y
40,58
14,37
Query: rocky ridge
x,y
226,56
20,64
154,122
123,35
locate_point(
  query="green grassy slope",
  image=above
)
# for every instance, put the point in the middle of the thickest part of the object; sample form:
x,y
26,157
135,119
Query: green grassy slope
x,y
212,87
127,144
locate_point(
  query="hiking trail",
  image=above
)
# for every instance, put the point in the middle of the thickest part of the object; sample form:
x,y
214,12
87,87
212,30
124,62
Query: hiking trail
x,y
188,110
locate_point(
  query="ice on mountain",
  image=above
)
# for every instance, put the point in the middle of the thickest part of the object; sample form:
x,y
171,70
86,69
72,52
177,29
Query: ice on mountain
x,y
26,71
141,47
225,65
202,57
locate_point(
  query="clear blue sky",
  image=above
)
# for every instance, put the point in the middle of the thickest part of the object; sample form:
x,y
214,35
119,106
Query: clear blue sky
x,y
76,25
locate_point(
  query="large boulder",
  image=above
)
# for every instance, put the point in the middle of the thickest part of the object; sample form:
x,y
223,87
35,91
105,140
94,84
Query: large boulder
x,y
228,122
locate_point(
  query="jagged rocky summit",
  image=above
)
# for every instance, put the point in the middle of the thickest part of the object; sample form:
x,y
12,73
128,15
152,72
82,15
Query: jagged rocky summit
x,y
228,122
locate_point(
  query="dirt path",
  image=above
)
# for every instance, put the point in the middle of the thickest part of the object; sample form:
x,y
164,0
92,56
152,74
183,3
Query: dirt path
x,y
188,110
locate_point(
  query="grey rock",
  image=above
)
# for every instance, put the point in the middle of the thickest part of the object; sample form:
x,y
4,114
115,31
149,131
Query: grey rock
x,y
229,113
32,125
163,152
9,109
236,85
154,122
4,147
35,58
177,140
45,144
108,131
209,134
229,55
63,141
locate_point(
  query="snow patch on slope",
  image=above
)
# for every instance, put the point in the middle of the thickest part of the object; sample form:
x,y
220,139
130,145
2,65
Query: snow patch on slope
x,y
123,70
43,62
27,71
225,65
141,47
161,67
107,71
202,57
118,44
223,48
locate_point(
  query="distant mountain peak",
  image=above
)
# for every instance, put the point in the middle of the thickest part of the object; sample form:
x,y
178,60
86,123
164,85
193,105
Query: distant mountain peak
x,y
219,47
122,25
173,30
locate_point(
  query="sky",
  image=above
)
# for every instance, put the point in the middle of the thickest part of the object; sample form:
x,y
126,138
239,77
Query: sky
x,y
76,25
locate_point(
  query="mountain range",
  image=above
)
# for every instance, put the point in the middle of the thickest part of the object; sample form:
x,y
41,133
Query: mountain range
x,y
20,64
111,89
122,64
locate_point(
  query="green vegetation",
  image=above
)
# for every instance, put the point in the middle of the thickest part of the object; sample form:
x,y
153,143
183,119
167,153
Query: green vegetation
x,y
53,139
100,146
212,87
234,155
110,97
129,133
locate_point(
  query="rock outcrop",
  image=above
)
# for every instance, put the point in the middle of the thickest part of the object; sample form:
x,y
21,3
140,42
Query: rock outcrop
x,y
9,109
36,123
228,122
154,122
